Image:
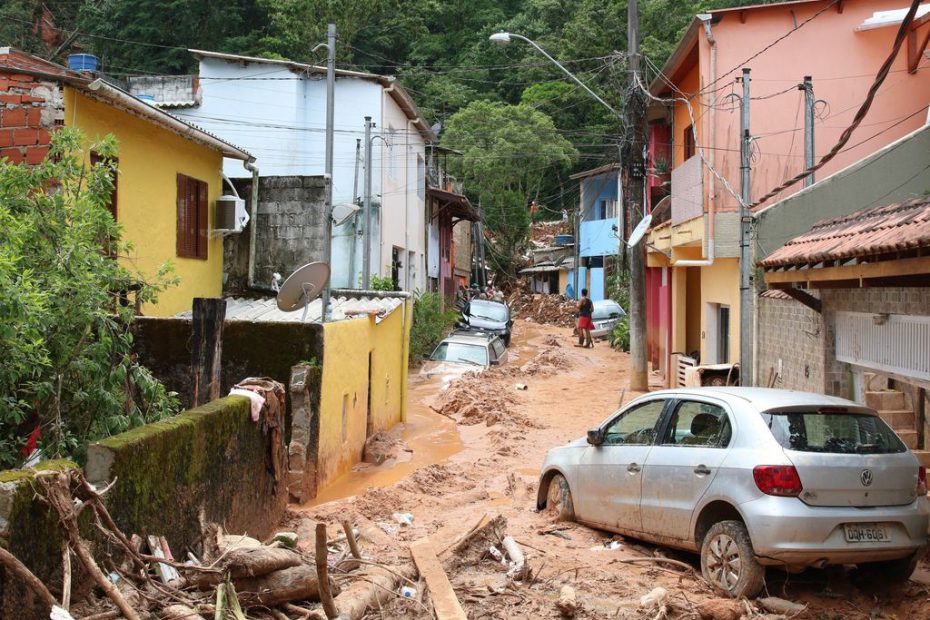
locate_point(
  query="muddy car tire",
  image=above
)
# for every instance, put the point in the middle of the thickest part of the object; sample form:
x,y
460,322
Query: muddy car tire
x,y
728,561
559,499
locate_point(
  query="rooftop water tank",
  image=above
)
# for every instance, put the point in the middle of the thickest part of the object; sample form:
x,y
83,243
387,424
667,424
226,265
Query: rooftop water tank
x,y
82,62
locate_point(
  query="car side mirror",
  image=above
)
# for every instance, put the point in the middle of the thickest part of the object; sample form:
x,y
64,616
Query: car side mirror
x,y
595,436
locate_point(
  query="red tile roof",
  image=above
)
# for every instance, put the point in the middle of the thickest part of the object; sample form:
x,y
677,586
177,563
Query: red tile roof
x,y
17,60
882,230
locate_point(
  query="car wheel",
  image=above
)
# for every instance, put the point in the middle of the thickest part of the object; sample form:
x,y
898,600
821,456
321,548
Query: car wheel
x,y
559,499
890,571
728,561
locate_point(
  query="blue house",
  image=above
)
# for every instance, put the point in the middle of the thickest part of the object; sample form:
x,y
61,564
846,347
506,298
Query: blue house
x,y
599,215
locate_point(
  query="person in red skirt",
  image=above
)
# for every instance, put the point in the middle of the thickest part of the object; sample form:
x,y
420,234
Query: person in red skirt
x,y
585,324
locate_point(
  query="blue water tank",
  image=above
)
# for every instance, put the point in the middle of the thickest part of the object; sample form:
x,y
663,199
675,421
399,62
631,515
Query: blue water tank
x,y
563,239
82,62
146,98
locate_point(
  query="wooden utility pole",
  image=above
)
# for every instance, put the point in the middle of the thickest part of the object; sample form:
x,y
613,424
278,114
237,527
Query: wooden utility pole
x,y
206,349
635,112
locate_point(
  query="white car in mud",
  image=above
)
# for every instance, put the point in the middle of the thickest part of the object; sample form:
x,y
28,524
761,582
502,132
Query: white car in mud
x,y
465,351
748,478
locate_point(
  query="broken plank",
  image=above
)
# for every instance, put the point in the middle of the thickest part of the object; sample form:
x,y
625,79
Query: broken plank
x,y
445,603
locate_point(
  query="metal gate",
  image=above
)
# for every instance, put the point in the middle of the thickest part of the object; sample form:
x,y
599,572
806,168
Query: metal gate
x,y
896,343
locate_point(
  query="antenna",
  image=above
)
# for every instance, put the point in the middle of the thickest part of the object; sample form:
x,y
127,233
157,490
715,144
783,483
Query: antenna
x,y
302,287
637,235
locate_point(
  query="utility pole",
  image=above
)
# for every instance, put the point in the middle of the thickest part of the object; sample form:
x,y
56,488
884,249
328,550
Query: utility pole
x,y
577,240
745,256
639,379
366,239
808,88
328,172
482,264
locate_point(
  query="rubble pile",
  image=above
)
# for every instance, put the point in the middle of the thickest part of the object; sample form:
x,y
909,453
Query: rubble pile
x,y
544,233
469,401
549,309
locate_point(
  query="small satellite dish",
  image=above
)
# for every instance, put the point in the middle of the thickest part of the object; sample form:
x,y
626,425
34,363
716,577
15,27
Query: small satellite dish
x,y
637,235
302,287
344,211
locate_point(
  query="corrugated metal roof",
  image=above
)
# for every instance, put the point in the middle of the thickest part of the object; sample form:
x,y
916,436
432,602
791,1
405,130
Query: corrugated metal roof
x,y
266,309
881,230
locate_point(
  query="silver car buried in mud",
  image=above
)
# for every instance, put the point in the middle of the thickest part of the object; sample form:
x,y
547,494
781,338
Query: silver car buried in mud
x,y
748,477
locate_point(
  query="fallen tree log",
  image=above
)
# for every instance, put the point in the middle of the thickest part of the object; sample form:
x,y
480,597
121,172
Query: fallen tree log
x,y
180,612
370,590
259,561
297,583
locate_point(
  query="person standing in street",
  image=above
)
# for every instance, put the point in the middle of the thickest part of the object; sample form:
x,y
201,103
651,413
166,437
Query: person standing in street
x,y
585,324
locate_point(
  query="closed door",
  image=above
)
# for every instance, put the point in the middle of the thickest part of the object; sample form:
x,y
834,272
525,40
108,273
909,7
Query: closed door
x,y
682,465
610,475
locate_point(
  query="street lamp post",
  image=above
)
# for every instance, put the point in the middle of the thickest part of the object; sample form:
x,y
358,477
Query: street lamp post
x,y
638,378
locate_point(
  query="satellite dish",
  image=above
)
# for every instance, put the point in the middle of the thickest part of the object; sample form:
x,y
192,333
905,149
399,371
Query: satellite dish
x,y
302,287
344,211
637,235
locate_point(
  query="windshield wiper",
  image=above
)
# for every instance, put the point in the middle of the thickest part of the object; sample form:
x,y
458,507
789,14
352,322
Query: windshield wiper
x,y
464,361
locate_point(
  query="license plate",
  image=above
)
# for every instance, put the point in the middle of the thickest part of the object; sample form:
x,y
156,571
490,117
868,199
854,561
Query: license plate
x,y
866,533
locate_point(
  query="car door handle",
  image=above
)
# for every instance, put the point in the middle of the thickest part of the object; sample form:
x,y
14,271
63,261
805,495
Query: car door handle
x,y
633,468
702,470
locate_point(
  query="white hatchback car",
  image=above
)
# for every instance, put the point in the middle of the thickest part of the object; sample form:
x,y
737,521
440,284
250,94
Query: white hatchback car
x,y
748,477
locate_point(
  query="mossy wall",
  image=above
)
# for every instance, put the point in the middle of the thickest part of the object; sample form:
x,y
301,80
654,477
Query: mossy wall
x,y
209,464
30,532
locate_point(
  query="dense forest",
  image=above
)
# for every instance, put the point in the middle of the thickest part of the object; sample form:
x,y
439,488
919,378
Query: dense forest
x,y
523,125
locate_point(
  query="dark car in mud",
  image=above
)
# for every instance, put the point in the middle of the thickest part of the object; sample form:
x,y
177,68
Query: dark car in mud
x,y
489,317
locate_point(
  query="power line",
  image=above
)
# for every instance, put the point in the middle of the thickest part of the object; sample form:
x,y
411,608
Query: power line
x,y
863,109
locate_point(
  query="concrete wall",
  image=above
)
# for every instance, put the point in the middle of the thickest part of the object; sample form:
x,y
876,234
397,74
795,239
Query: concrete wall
x,y
289,232
791,344
150,159
366,349
211,464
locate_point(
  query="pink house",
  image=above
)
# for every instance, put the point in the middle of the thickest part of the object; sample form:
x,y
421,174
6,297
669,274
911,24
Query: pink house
x,y
693,246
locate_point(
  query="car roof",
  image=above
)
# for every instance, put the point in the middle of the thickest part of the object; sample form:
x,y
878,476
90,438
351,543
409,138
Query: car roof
x,y
473,338
606,302
763,399
489,302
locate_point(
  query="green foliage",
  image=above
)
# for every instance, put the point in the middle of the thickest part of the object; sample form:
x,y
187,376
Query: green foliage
x,y
67,359
508,152
620,336
430,325
618,288
382,283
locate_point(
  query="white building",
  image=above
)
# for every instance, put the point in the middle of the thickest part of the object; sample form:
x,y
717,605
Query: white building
x,y
277,110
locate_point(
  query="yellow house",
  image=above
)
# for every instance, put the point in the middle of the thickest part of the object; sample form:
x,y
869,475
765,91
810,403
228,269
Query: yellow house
x,y
170,172
170,175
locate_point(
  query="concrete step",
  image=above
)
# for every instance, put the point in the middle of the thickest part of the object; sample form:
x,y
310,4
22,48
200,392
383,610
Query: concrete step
x,y
923,456
885,399
898,419
908,437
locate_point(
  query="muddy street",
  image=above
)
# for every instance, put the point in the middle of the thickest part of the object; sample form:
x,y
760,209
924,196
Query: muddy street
x,y
471,453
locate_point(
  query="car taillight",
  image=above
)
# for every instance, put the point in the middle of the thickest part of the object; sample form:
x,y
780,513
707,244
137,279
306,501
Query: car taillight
x,y
780,480
921,481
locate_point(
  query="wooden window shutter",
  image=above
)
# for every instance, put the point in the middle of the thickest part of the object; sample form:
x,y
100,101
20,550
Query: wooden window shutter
x,y
193,218
203,223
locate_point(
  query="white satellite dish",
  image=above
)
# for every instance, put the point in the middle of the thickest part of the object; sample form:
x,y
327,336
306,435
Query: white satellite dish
x,y
637,235
344,211
302,287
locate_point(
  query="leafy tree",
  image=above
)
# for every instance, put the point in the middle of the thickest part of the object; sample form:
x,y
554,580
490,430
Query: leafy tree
x,y
507,153
67,363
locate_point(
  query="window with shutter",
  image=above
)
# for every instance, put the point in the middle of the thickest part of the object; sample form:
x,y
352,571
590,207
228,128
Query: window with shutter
x,y
192,238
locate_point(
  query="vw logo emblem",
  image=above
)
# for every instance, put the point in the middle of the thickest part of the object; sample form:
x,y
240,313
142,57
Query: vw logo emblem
x,y
866,477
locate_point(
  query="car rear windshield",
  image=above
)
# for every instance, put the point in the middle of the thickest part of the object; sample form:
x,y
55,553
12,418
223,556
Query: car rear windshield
x,y
834,433
611,311
458,352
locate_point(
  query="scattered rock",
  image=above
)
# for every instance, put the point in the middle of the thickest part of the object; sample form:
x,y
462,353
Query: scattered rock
x,y
567,605
656,598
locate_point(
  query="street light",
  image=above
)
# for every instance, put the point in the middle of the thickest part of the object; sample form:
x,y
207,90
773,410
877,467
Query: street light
x,y
638,378
503,38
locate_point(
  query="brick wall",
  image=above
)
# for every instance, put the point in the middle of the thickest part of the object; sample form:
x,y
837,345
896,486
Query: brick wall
x,y
30,109
793,333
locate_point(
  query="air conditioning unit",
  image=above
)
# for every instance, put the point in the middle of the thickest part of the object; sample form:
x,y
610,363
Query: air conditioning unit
x,y
231,215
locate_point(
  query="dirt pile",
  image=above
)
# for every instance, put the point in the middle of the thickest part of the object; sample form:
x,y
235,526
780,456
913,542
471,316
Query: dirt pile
x,y
548,309
382,447
473,399
547,362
